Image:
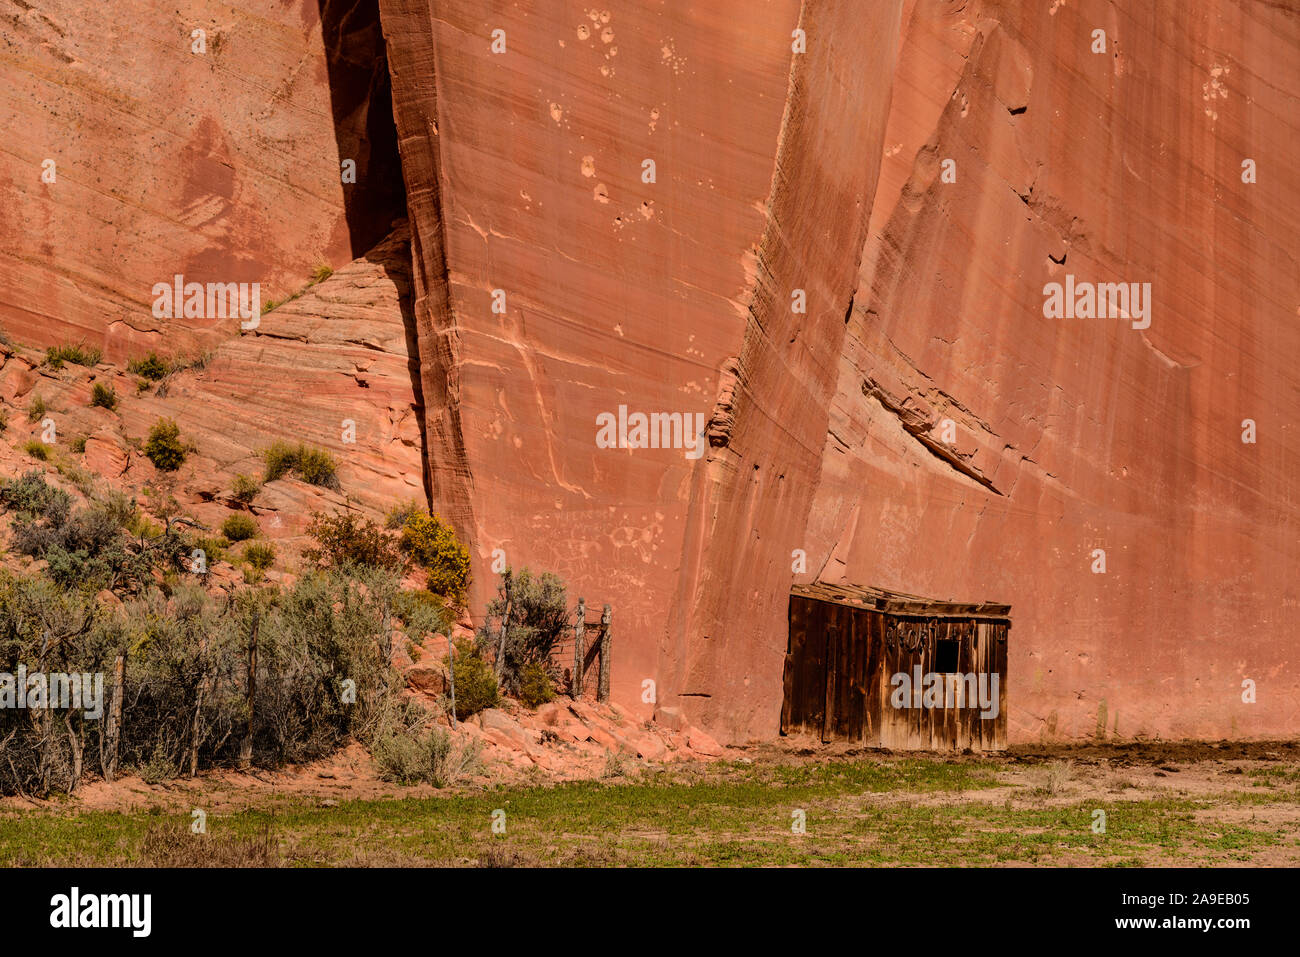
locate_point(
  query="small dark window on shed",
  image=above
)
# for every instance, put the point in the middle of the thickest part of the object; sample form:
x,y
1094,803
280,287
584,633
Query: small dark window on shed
x,y
945,656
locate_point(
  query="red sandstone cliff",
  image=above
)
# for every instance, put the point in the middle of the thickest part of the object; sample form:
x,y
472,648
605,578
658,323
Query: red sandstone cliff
x,y
919,172
823,171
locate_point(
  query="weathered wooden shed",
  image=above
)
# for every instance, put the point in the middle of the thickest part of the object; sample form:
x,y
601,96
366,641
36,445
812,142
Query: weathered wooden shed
x,y
898,671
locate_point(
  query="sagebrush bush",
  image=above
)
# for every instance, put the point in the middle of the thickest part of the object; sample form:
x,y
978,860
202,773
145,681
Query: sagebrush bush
x,y
432,758
324,673
244,489
150,367
475,685
84,548
261,555
536,685
539,617
103,396
37,449
434,547
313,465
423,611
214,549
32,496
79,355
400,513
239,527
317,467
36,409
346,538
164,447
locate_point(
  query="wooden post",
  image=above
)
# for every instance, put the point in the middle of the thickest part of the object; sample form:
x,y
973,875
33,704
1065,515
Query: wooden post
x,y
246,748
579,647
505,623
196,732
602,689
74,742
113,729
451,676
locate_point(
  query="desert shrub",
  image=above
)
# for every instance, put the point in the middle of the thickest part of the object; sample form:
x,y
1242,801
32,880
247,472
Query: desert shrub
x,y
164,447
32,496
181,363
186,705
36,409
85,548
329,628
244,489
150,367
159,769
78,444
433,546
312,639
103,396
400,513
1055,777
261,555
79,355
46,628
322,272
37,449
140,526
536,685
119,507
214,549
432,758
539,616
474,684
4,420
345,538
317,467
239,527
313,465
280,460
423,611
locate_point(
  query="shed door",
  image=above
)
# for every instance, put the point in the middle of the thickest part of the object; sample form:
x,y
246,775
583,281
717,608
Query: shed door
x,y
804,707
826,670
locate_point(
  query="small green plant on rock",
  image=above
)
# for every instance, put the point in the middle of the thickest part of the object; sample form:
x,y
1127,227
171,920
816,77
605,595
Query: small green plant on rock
x,y
239,527
103,396
37,449
244,489
474,684
164,447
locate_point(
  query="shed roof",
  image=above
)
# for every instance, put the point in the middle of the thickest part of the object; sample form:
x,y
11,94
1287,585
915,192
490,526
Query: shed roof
x,y
898,603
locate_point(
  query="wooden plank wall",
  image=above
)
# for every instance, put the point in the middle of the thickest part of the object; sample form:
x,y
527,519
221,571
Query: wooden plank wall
x,y
838,666
981,650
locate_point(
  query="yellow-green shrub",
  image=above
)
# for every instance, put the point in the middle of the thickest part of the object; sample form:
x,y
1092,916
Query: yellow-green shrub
x,y
433,546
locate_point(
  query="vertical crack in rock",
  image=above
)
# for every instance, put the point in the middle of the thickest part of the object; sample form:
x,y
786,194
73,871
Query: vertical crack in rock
x,y
412,59
361,101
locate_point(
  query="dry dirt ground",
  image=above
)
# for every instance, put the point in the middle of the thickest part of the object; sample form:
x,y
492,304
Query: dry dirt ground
x,y
1177,803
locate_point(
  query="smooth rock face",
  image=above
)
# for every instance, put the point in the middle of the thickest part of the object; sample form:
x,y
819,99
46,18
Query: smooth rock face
x,y
923,426
1085,434
222,166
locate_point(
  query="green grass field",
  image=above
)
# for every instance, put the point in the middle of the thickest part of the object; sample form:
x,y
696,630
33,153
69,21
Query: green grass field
x,y
857,811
